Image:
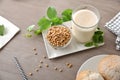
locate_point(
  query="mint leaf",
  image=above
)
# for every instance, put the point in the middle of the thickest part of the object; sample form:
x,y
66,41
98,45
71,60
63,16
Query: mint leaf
x,y
95,44
30,28
101,39
51,12
89,44
44,23
50,20
2,29
56,21
37,32
96,39
98,32
67,15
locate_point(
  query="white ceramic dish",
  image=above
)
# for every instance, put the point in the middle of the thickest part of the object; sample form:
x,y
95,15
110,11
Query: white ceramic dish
x,y
91,64
10,31
74,46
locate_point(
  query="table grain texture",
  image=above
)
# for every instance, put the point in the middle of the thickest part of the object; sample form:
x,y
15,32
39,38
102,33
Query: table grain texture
x,y
27,12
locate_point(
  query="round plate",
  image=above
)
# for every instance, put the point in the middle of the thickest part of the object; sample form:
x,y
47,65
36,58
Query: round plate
x,y
91,64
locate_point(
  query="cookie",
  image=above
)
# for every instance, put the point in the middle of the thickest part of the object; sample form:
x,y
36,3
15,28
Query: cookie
x,y
109,67
89,75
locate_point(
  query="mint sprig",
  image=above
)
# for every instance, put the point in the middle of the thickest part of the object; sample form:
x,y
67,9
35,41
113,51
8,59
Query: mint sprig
x,y
96,39
51,19
30,28
89,44
2,29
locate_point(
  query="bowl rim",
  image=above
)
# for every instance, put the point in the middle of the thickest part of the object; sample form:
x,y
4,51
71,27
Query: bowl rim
x,y
65,45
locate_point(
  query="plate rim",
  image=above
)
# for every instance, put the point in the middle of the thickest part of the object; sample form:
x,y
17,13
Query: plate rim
x,y
100,56
16,30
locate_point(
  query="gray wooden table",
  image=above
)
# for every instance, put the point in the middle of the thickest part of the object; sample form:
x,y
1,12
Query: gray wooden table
x,y
27,12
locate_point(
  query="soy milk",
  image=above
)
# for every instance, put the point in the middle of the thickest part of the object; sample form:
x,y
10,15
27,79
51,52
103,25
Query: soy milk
x,y
84,25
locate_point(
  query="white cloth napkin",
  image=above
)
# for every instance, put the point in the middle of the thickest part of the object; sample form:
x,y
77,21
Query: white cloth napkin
x,y
10,31
114,26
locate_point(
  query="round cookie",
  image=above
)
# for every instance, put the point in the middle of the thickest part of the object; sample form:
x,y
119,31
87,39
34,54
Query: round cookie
x,y
89,75
109,67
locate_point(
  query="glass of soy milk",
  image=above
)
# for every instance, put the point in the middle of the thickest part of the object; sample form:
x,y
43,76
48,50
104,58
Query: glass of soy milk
x,y
85,20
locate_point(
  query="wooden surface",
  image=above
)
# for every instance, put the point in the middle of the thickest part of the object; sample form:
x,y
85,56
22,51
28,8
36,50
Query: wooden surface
x,y
27,12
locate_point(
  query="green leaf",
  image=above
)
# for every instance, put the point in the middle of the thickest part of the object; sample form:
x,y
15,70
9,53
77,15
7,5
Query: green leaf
x,y
101,39
98,32
65,18
89,44
95,44
67,15
28,35
98,37
44,23
51,12
2,29
37,32
95,38
56,21
30,28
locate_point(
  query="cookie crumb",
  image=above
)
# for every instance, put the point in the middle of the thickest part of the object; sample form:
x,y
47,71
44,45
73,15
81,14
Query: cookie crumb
x,y
70,66
39,66
36,70
55,68
36,53
44,57
67,64
47,65
60,70
41,61
34,49
30,74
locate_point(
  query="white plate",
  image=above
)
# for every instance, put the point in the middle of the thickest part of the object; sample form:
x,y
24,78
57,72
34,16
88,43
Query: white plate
x,y
91,64
10,31
73,47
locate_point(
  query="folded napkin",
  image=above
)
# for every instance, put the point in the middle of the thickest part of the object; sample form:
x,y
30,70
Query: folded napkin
x,y
114,26
118,43
10,31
